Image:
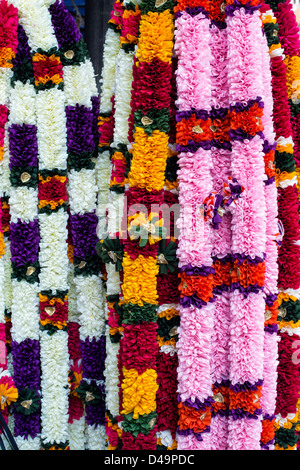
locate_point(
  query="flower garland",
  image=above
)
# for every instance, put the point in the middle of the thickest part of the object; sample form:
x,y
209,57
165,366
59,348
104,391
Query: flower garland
x,y
53,85
24,238
268,400
7,18
138,346
82,110
110,247
249,226
289,37
73,52
47,70
104,170
281,28
221,156
8,49
192,47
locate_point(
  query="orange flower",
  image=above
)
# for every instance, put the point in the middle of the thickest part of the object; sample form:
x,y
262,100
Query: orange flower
x,y
269,164
221,397
222,273
248,121
248,400
248,274
268,431
182,4
8,392
220,129
197,130
191,418
200,285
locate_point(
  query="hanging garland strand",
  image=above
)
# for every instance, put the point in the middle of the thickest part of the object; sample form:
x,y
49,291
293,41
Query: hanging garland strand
x,y
8,48
144,229
24,238
192,47
282,34
249,225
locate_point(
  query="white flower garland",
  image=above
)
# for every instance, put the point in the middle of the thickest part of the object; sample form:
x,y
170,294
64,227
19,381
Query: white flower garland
x,y
23,208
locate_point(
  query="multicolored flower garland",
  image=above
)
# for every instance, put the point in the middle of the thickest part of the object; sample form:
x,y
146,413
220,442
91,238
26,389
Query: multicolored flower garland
x,y
280,27
249,225
51,78
138,345
8,49
192,47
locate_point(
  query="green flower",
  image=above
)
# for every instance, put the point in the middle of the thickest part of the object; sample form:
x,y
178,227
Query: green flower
x,y
111,251
167,259
28,401
91,394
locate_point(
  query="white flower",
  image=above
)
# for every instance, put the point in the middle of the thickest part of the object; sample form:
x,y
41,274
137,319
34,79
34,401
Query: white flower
x,y
7,277
25,311
5,77
124,77
82,191
54,261
54,385
112,376
52,135
23,204
22,104
111,49
35,18
29,443
79,84
77,434
96,437
90,306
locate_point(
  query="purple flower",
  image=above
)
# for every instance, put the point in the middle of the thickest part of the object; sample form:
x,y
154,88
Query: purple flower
x,y
23,145
24,242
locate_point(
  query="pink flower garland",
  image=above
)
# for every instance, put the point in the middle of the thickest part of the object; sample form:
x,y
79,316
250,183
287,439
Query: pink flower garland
x,y
268,400
248,234
220,365
192,46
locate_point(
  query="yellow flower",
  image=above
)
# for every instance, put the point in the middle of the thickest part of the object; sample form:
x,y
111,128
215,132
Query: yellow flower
x,y
140,278
149,160
293,76
149,228
6,57
169,313
156,37
8,394
2,245
139,392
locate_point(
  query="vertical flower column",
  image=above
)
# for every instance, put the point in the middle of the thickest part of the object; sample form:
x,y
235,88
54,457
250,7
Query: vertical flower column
x,y
111,244
268,399
221,154
138,345
281,28
53,260
288,34
168,281
82,109
247,302
192,47
73,53
5,84
25,238
106,117
8,49
153,95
